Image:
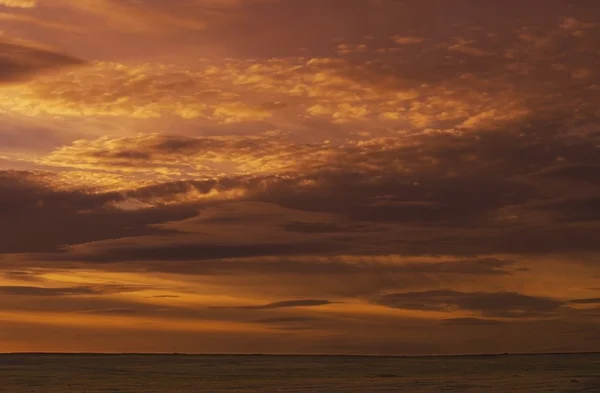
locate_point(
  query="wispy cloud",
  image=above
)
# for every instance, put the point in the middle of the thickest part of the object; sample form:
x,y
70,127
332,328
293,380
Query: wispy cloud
x,y
286,304
19,62
19,3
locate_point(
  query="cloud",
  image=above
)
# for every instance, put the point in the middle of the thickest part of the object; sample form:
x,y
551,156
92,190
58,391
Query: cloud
x,y
111,311
18,275
286,304
472,322
487,304
41,291
407,40
585,301
199,251
439,94
332,89
165,296
20,62
485,88
573,173
281,259
19,3
464,46
576,26
28,197
127,17
398,185
573,209
22,18
286,320
140,92
132,17
154,154
216,246
95,289
160,157
426,185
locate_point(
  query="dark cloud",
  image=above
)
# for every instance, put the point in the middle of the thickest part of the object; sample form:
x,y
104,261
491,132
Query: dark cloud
x,y
324,227
585,301
20,290
20,62
472,322
534,240
286,304
97,301
481,266
499,304
111,311
574,209
290,259
338,276
40,291
22,276
286,320
573,173
460,181
165,297
352,276
29,199
451,180
197,252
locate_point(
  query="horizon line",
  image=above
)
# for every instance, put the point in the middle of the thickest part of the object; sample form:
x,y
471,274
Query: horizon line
x,y
494,354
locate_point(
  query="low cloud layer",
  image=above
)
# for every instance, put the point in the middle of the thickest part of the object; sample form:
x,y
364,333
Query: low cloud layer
x,y
501,304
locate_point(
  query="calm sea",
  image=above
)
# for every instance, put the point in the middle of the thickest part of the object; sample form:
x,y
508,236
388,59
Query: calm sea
x,y
191,374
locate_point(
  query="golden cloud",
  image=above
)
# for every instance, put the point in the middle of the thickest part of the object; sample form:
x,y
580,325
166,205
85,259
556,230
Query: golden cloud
x,y
169,157
407,40
243,90
19,3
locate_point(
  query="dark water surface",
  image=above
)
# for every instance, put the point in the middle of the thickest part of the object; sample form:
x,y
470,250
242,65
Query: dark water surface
x,y
187,374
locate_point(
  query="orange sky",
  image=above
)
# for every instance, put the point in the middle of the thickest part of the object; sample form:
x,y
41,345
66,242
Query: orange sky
x,y
299,176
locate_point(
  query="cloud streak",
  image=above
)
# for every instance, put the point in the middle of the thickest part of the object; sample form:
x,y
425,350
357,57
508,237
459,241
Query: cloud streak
x,y
19,62
503,305
286,304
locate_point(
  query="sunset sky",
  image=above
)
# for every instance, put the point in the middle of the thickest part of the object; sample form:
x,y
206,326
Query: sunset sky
x,y
300,176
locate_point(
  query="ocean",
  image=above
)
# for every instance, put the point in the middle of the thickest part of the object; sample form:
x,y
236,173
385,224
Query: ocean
x,y
32,373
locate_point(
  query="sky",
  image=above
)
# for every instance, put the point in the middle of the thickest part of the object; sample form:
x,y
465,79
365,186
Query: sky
x,y
300,176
